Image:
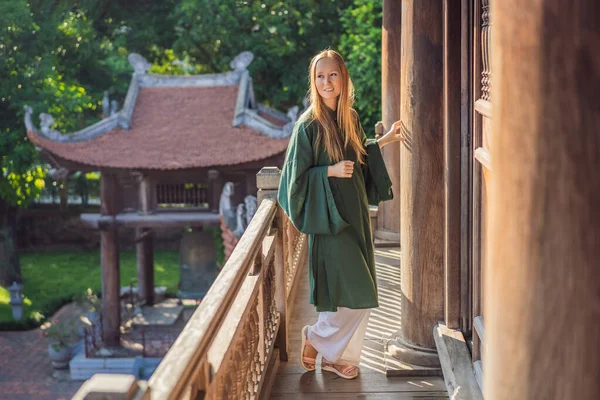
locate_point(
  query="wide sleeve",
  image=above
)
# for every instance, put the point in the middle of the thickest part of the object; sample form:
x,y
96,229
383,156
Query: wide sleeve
x,y
377,180
304,192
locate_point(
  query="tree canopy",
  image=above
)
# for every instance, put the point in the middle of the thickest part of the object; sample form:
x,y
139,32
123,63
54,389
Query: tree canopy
x,y
59,56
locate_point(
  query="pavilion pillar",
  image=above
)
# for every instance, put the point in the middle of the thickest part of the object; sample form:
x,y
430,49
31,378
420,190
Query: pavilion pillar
x,y
144,249
542,284
145,242
109,255
388,215
422,190
215,186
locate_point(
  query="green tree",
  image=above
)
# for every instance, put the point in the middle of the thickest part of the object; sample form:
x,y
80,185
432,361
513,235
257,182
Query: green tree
x,y
282,35
361,46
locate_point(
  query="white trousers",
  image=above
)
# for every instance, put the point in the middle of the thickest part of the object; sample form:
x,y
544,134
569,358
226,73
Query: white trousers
x,y
338,336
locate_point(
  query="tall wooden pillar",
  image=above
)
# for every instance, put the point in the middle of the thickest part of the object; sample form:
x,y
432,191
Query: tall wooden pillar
x,y
422,190
109,248
542,285
388,218
145,241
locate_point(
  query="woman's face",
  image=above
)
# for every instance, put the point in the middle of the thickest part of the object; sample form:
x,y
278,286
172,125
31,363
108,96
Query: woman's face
x,y
328,79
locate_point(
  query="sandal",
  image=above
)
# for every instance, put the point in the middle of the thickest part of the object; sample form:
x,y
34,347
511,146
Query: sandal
x,y
307,363
343,371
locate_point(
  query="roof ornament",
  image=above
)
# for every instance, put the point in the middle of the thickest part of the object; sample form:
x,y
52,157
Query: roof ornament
x,y
46,121
251,207
59,173
28,123
105,105
114,107
140,64
292,114
226,207
241,61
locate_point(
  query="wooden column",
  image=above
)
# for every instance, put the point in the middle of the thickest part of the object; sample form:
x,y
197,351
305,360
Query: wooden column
x,y
145,241
144,249
109,248
388,218
452,163
542,287
215,186
267,181
422,190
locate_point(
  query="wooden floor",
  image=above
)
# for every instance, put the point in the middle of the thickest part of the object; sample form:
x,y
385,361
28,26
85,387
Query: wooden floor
x,y
293,382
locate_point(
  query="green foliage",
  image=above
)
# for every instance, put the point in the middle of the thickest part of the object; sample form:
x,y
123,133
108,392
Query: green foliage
x,y
361,46
60,334
54,279
282,35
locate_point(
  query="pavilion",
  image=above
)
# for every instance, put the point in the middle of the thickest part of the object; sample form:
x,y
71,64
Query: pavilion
x,y
164,158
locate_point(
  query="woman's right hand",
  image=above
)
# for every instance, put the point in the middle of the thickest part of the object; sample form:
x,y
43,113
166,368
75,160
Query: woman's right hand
x,y
343,169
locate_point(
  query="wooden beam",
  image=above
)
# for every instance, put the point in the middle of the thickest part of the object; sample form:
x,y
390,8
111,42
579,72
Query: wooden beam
x,y
452,163
542,283
456,364
160,219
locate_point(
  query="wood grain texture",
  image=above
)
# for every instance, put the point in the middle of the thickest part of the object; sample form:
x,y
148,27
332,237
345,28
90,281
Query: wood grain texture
x,y
388,219
422,172
294,382
542,286
109,258
452,163
173,373
456,364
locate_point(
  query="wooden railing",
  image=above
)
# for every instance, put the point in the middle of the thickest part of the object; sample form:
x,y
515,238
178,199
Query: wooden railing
x,y
231,346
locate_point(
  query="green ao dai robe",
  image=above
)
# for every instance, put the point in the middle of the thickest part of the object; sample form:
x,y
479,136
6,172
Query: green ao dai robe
x,y
334,213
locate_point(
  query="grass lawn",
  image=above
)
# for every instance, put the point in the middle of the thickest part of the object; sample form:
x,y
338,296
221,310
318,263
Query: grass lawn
x,y
53,278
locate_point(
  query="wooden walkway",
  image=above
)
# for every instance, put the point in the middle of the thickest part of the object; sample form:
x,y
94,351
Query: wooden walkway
x,y
292,382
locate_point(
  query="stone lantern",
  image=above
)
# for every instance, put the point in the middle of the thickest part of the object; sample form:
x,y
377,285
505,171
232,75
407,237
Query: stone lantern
x,y
16,300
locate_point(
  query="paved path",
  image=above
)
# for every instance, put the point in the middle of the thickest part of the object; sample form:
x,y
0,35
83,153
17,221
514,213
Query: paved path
x,y
26,372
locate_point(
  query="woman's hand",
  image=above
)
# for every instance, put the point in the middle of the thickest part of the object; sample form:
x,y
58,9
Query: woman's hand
x,y
343,169
395,134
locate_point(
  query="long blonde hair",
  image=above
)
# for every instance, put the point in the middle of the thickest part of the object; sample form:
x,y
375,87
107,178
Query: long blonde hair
x,y
334,140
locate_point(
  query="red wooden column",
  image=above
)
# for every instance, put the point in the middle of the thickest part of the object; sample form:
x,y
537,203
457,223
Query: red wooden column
x,y
542,285
388,218
145,241
109,248
422,190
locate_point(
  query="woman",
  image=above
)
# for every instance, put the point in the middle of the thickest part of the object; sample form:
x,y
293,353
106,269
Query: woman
x,y
329,178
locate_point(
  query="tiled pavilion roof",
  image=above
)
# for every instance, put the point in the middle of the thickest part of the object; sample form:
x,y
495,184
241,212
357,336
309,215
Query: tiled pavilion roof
x,y
175,123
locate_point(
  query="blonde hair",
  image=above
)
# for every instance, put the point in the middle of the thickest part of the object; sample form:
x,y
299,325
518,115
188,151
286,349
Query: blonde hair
x,y
334,140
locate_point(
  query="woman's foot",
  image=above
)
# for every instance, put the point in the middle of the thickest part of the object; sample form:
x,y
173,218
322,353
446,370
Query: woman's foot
x,y
308,354
343,371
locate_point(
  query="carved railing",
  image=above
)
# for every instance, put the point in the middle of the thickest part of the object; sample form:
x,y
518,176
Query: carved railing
x,y
231,346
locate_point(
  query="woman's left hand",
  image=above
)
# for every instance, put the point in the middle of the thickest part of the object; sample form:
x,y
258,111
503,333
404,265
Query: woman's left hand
x,y
395,133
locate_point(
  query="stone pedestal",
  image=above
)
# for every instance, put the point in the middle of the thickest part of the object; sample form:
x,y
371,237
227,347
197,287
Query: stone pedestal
x,y
198,266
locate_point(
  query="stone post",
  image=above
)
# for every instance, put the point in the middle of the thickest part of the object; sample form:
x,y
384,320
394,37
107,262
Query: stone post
x,y
542,283
422,190
388,213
